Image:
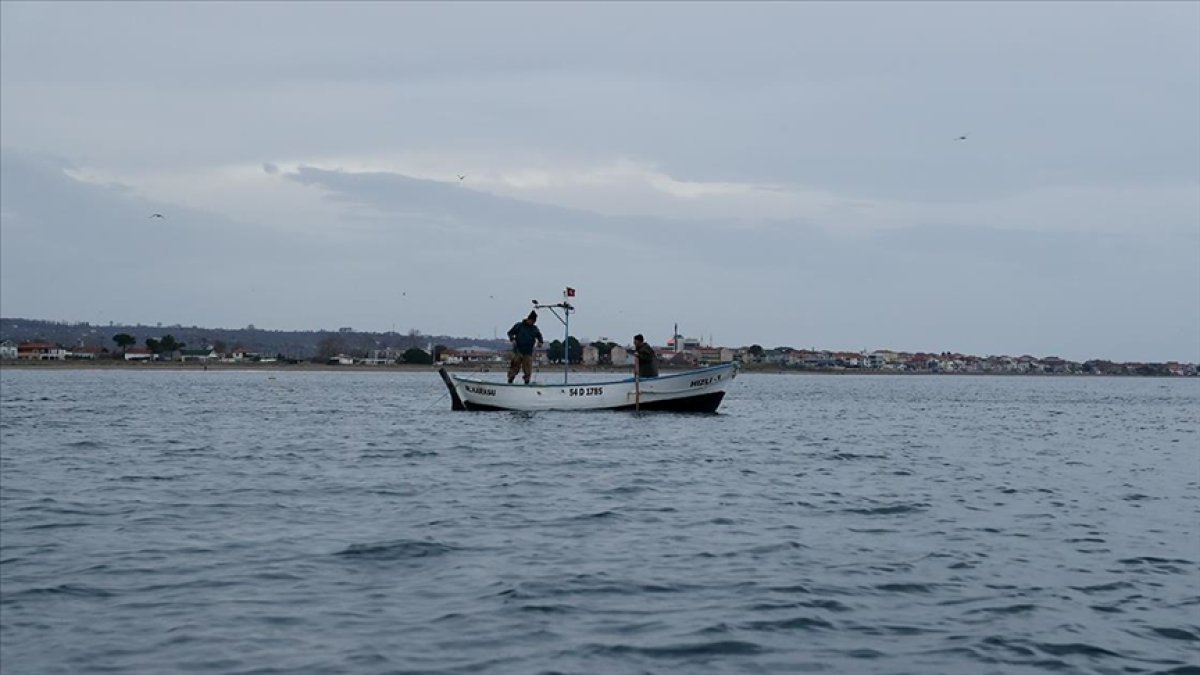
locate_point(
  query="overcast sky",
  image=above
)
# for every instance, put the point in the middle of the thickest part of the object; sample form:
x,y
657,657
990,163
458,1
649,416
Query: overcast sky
x,y
787,174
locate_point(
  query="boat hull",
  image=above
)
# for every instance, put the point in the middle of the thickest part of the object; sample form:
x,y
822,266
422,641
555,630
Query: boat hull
x,y
700,390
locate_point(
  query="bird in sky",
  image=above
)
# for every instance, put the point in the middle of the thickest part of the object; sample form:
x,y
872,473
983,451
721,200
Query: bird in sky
x,y
460,176
962,138
157,215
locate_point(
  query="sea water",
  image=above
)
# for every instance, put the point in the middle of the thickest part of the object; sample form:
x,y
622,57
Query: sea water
x,y
348,522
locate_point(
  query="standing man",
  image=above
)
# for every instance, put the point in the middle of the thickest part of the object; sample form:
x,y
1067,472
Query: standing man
x,y
523,335
647,361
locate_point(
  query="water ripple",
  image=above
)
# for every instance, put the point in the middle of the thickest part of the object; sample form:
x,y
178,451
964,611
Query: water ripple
x,y
342,522
396,550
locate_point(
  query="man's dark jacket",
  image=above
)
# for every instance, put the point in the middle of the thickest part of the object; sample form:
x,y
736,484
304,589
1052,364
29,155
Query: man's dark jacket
x,y
526,335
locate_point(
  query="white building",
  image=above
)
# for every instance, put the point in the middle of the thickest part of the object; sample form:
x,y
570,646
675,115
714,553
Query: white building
x,y
204,355
591,355
620,356
874,360
138,354
41,351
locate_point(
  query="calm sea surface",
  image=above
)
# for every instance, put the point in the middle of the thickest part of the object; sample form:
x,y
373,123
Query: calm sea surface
x,y
349,522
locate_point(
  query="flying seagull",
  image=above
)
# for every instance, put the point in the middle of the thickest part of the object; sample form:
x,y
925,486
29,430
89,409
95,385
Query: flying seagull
x,y
156,215
460,176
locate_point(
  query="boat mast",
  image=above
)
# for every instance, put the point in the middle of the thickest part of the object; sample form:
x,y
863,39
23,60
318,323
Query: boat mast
x,y
565,319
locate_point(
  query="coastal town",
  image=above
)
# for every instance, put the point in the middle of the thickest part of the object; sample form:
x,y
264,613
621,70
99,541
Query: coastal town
x,y
349,348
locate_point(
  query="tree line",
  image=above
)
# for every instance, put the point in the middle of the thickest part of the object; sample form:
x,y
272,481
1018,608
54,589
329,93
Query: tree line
x,y
167,344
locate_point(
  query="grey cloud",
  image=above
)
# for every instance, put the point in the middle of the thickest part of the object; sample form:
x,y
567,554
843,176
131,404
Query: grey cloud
x,y
394,199
75,246
861,98
1077,292
66,243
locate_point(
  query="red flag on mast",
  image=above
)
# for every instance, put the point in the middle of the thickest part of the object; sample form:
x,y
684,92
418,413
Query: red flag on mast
x,y
570,292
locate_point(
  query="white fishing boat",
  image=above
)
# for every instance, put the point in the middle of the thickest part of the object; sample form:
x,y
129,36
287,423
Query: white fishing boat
x,y
699,390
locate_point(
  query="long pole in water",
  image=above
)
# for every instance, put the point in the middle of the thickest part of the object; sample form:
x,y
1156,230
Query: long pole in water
x,y
566,338
637,385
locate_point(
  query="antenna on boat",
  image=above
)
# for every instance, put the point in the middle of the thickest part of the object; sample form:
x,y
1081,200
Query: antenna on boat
x,y
565,320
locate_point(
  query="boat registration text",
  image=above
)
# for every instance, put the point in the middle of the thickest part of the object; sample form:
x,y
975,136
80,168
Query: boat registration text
x,y
585,391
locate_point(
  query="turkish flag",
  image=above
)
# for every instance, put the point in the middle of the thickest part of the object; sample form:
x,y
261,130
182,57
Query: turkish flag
x,y
570,292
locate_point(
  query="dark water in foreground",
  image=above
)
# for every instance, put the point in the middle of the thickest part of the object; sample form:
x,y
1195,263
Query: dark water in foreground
x,y
230,522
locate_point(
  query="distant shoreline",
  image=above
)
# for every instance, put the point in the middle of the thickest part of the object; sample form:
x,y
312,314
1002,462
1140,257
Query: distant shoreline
x,y
113,364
